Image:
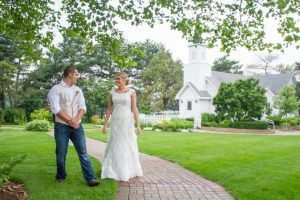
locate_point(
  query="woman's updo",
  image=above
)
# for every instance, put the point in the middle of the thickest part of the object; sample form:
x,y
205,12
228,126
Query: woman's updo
x,y
124,76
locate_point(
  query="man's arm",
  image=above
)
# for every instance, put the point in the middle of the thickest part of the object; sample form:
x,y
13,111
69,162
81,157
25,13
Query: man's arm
x,y
81,109
53,97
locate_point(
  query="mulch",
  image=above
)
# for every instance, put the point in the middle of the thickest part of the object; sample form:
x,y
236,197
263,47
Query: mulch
x,y
237,130
12,191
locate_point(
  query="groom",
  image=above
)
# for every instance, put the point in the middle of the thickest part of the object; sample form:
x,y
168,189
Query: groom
x,y
68,104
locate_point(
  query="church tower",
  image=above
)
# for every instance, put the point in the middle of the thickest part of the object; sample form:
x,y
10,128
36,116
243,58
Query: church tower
x,y
197,68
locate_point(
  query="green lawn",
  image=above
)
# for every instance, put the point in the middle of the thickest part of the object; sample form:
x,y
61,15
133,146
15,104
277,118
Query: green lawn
x,y
38,169
90,126
253,167
11,126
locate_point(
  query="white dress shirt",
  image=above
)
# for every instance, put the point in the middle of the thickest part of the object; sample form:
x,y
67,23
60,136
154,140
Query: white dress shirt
x,y
54,97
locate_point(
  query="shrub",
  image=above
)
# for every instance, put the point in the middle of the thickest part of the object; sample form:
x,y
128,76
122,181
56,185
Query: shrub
x,y
276,119
208,117
85,119
188,124
156,126
162,125
51,117
293,122
6,168
145,124
98,122
173,125
14,116
94,118
250,125
298,119
190,119
225,123
285,125
177,124
210,124
1,116
38,125
41,114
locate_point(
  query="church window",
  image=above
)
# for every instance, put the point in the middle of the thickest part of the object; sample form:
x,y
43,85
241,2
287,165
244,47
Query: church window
x,y
189,105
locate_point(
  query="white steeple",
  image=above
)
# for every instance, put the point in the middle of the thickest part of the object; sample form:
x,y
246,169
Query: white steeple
x,y
197,68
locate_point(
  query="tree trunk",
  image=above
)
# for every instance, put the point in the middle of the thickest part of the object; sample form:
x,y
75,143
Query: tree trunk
x,y
2,102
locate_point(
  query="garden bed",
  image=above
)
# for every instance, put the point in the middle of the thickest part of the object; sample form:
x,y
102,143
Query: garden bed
x,y
236,130
12,191
290,128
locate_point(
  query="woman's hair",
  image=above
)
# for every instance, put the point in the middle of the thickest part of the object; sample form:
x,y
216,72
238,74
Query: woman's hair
x,y
124,76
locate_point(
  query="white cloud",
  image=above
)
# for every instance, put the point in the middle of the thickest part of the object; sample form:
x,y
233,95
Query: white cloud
x,y
178,46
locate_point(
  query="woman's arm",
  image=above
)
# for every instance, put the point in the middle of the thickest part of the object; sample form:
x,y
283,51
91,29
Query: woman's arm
x,y
108,113
135,112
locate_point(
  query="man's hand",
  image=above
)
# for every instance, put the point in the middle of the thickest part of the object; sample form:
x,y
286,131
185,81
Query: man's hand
x,y
74,123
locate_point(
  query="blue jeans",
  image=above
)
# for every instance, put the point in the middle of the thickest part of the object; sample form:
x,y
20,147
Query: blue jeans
x,y
63,133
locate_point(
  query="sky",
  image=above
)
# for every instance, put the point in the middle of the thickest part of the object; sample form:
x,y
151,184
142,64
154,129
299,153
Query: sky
x,y
178,46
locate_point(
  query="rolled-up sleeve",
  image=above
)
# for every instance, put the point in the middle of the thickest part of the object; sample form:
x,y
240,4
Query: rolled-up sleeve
x,y
81,104
53,97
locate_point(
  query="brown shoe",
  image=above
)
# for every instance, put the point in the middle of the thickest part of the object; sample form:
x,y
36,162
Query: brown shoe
x,y
93,182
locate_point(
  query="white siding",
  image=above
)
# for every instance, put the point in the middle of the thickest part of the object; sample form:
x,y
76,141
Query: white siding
x,y
205,106
188,95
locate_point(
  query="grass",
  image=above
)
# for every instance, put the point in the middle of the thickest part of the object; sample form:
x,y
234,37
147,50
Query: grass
x,y
37,171
250,167
11,126
90,126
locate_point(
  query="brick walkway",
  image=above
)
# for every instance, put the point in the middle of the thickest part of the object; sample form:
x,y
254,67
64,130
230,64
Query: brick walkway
x,y
162,180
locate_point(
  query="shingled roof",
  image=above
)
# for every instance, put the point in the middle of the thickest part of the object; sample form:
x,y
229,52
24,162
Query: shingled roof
x,y
274,82
201,93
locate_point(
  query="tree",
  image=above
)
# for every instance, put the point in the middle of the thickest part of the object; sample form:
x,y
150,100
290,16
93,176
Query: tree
x,y
293,69
96,94
7,71
161,81
285,68
241,100
149,49
11,54
286,101
223,64
96,66
232,24
297,66
266,61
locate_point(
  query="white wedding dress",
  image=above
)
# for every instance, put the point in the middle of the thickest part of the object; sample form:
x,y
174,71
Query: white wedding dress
x,y
121,158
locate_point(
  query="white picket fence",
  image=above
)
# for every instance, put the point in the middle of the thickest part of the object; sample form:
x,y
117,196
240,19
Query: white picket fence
x,y
156,118
159,118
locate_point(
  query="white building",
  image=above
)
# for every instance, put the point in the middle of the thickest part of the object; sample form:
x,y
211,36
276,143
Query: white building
x,y
201,84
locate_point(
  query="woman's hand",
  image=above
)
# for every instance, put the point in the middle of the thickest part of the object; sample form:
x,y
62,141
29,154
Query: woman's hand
x,y
138,130
104,130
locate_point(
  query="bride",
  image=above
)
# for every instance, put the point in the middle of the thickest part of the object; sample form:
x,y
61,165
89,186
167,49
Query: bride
x,y
121,158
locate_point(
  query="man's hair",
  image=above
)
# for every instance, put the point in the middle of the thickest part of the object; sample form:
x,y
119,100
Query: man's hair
x,y
69,70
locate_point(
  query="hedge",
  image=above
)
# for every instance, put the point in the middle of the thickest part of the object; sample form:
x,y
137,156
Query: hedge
x,y
277,119
250,125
